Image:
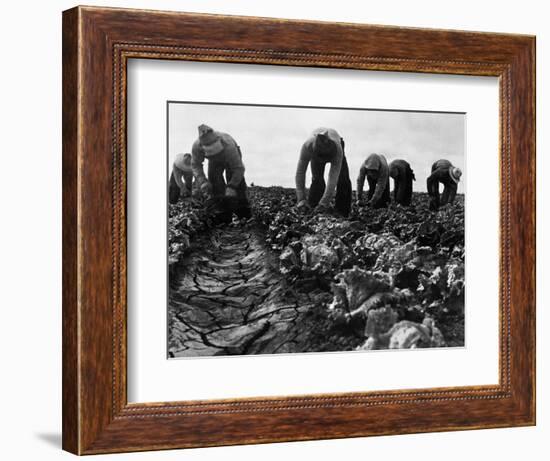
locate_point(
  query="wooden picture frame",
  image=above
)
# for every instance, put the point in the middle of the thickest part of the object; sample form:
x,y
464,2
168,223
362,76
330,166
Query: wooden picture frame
x,y
97,42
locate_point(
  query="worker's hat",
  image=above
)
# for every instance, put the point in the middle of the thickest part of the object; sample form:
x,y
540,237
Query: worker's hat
x,y
183,162
210,141
455,174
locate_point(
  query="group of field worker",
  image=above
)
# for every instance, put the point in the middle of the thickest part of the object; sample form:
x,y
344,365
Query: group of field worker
x,y
225,179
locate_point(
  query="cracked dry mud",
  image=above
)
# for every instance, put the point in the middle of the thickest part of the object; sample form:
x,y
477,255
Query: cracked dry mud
x,y
227,297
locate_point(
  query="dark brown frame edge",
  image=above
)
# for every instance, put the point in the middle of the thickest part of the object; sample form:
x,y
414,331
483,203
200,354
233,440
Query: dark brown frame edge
x,y
97,42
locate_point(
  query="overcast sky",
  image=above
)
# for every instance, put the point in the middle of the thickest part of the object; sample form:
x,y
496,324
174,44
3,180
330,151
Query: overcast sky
x,y
271,137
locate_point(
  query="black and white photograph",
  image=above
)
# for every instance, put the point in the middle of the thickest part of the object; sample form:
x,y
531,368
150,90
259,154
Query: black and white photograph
x,y
243,231
313,229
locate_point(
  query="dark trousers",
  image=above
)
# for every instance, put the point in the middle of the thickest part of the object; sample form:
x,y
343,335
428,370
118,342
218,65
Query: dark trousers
x,y
402,193
226,206
343,187
384,199
449,192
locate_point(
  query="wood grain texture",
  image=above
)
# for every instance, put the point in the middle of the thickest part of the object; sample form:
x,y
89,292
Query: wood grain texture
x,y
70,384
97,42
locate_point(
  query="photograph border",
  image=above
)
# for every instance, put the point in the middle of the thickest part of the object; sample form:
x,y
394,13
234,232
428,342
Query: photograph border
x,y
97,43
289,106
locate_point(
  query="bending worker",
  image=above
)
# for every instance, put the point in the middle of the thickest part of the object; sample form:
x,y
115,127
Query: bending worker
x,y
224,156
375,169
403,177
445,173
324,146
181,178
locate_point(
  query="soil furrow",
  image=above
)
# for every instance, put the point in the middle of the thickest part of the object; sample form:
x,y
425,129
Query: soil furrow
x,y
237,301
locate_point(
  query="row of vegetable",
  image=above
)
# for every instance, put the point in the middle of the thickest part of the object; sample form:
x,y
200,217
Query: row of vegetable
x,y
396,274
393,276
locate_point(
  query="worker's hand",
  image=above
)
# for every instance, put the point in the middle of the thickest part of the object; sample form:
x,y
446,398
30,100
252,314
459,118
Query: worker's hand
x,y
230,192
321,208
303,206
206,189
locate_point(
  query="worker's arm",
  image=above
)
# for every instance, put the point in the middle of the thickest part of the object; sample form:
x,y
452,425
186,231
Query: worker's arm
x,y
361,182
381,182
303,162
432,184
333,174
452,193
177,176
234,164
188,179
197,161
